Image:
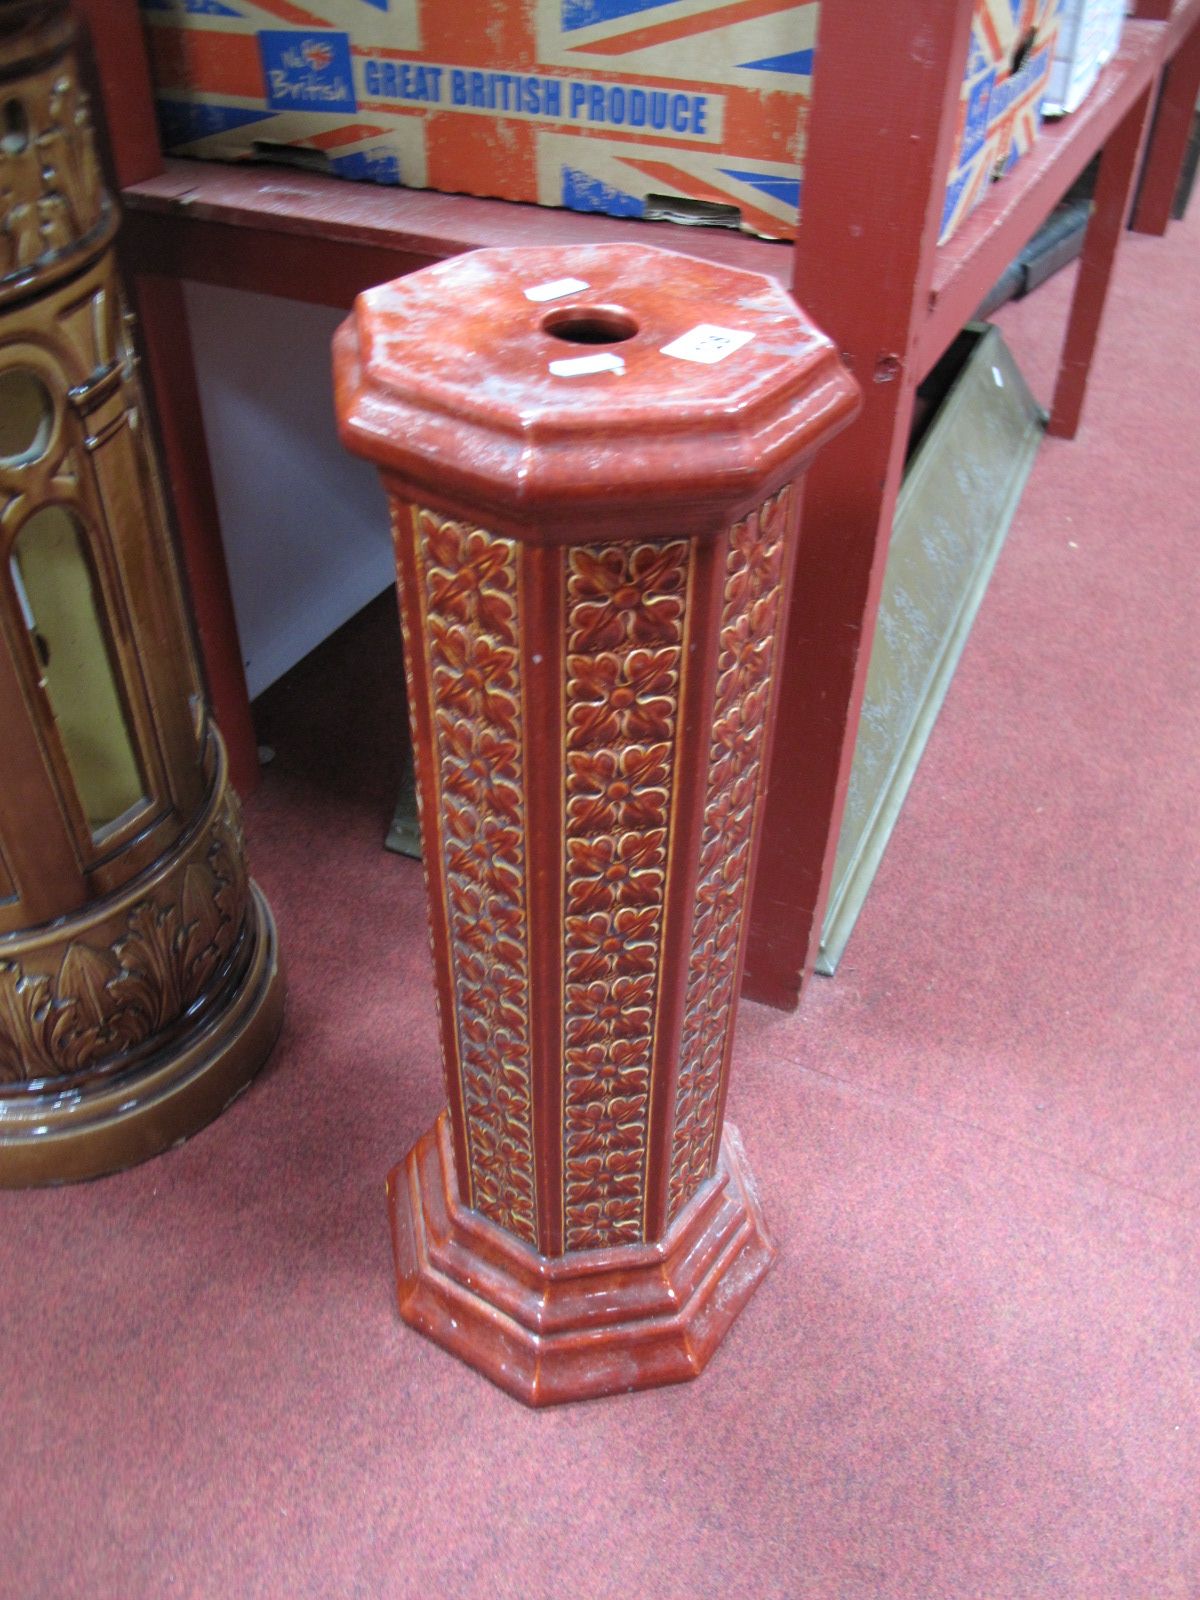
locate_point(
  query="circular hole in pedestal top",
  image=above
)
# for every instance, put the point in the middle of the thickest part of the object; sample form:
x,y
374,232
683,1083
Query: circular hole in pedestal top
x,y
590,324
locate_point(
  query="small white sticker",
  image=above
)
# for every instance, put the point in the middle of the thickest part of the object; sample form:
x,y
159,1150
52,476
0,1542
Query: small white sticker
x,y
555,290
576,366
707,343
998,377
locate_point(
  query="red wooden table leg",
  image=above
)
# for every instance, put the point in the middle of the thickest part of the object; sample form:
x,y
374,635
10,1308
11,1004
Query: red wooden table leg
x,y
593,458
865,252
1110,208
1168,138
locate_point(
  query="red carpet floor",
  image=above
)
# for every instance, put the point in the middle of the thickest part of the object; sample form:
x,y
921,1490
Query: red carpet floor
x,y
974,1370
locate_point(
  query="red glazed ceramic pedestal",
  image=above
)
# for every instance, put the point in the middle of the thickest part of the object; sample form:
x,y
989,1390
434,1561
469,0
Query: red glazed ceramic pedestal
x,y
593,458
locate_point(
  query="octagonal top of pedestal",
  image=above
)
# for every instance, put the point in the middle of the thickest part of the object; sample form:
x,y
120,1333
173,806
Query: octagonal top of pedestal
x,y
599,376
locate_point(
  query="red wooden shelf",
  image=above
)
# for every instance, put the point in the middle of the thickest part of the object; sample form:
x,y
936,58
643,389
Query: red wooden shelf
x,y
1178,26
322,239
969,263
886,102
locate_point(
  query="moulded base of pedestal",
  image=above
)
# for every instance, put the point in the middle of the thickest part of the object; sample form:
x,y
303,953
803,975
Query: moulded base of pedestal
x,y
554,1328
59,1137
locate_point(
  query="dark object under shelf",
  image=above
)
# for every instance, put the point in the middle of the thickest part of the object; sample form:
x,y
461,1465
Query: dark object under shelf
x,y
1060,238
1187,176
1055,245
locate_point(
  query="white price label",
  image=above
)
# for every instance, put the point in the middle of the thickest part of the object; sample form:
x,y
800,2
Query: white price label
x,y
555,291
577,366
706,343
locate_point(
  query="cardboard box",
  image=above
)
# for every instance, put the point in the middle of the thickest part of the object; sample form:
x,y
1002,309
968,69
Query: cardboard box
x,y
596,105
1089,32
1008,68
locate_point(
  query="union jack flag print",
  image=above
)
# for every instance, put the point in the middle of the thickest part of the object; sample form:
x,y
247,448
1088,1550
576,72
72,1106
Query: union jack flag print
x,y
1008,70
593,104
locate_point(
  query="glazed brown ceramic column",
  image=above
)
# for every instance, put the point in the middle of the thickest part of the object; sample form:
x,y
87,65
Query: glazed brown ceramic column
x,y
139,986
593,458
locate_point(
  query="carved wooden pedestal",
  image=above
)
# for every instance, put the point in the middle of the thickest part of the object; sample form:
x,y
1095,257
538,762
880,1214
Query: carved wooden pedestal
x,y
139,985
593,459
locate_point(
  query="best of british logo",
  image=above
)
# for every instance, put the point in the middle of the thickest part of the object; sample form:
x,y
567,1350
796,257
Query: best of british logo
x,y
307,71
